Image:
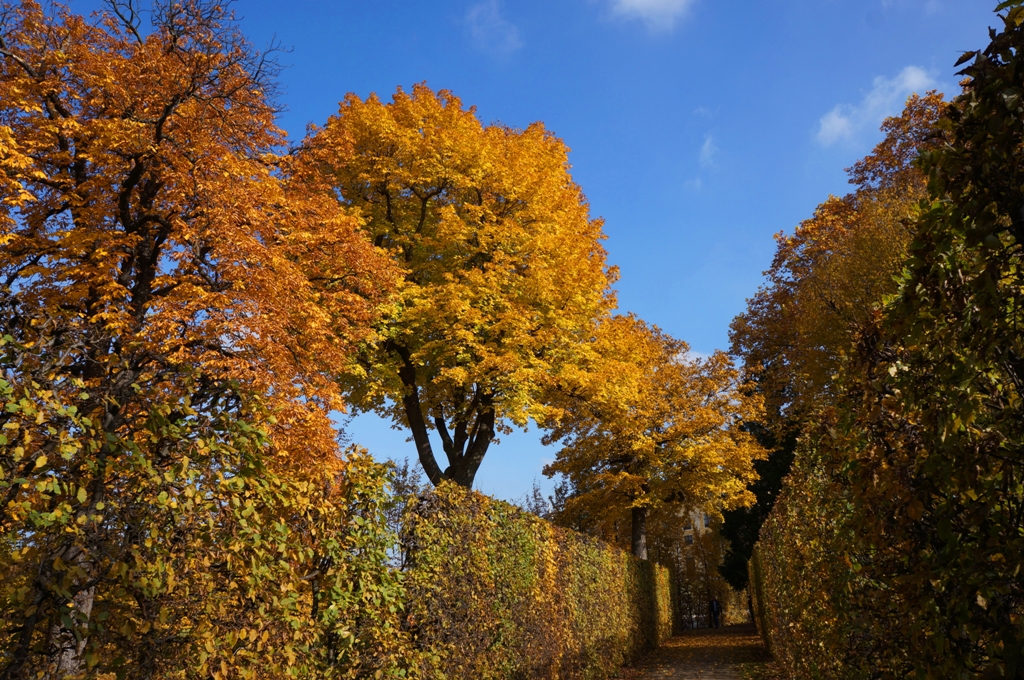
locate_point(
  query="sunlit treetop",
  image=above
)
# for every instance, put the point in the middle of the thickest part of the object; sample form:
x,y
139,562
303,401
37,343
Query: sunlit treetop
x,y
503,269
649,427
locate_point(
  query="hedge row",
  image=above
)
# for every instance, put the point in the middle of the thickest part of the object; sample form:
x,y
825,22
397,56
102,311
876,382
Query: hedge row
x,y
898,546
494,592
286,580
204,560
802,578
833,601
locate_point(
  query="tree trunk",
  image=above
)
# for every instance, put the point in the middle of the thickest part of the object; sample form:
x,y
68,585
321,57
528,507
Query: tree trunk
x,y
465,451
65,647
414,418
640,532
463,470
420,435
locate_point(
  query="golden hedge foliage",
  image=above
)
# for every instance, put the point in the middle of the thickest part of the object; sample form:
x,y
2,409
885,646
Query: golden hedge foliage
x,y
208,561
801,577
495,592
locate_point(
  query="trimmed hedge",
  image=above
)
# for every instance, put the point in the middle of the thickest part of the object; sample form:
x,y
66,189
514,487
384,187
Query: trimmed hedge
x,y
794,604
495,592
755,586
804,578
897,549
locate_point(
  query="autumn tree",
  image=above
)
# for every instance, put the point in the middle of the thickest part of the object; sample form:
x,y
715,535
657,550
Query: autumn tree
x,y
827,282
918,460
833,271
646,428
169,354
503,271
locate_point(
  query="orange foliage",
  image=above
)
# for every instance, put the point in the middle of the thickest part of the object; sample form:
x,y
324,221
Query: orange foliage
x,y
142,214
173,319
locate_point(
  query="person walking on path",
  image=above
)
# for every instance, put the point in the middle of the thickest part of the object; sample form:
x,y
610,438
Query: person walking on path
x,y
716,610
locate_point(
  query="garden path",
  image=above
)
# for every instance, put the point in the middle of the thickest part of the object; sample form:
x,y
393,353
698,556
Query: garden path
x,y
705,654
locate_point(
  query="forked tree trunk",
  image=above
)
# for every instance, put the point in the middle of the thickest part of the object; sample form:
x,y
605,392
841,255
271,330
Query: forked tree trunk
x,y
465,443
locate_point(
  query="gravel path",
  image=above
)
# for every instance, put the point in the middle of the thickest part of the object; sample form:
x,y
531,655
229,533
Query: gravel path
x,y
703,654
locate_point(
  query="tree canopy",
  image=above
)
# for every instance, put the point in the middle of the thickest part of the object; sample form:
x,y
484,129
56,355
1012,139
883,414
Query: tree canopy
x,y
648,428
503,269
905,505
173,316
827,284
832,273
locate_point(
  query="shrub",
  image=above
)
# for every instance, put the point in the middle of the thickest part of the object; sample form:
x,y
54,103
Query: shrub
x,y
495,592
801,577
211,562
896,550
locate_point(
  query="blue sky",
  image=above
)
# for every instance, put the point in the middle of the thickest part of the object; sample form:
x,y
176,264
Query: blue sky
x,y
698,128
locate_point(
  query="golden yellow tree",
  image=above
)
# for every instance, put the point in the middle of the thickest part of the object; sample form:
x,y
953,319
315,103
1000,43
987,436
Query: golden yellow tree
x,y
169,347
648,428
503,268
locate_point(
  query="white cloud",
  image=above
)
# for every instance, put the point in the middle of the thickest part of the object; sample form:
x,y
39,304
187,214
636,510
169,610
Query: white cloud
x,y
659,15
695,184
693,355
490,30
708,152
844,122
